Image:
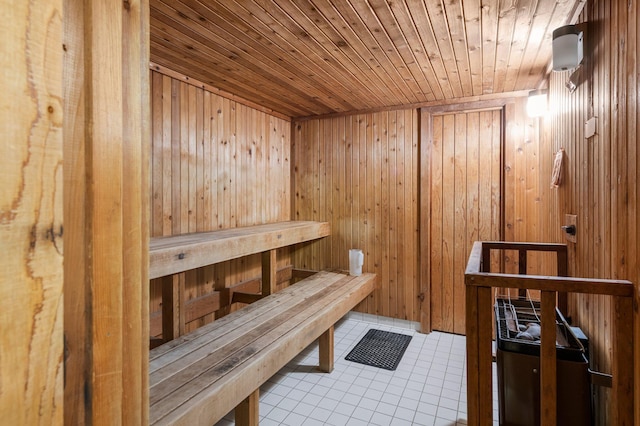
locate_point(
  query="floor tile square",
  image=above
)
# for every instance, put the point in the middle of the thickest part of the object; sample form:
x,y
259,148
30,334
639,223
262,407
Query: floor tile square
x,y
337,419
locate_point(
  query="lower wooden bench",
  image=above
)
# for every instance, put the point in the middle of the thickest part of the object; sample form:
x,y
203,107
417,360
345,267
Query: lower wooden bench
x,y
198,378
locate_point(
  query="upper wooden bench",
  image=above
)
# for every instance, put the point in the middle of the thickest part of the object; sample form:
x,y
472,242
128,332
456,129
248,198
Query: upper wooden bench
x,y
198,378
178,253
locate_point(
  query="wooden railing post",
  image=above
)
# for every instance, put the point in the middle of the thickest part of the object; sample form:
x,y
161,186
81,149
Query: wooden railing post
x,y
562,261
473,364
522,270
548,385
485,353
486,259
622,392
479,355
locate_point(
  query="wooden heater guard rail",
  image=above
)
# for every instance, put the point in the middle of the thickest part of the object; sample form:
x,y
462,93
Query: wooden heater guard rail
x,y
479,281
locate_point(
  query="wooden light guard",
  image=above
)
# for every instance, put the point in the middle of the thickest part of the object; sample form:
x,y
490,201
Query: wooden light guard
x,y
479,281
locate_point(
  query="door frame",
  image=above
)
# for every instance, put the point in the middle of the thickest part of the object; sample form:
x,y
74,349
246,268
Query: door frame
x,y
425,124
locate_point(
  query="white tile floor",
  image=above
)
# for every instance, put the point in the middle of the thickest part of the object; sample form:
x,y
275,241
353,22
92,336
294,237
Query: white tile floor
x,y
427,388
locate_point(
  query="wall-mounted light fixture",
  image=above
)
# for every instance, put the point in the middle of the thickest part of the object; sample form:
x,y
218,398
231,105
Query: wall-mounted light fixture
x,y
567,47
537,103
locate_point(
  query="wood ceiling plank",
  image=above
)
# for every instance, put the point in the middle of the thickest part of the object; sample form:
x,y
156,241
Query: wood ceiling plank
x,y
187,65
317,57
525,12
506,28
427,36
489,43
193,24
441,29
334,68
372,21
239,65
458,36
229,76
307,49
349,24
540,21
550,15
408,20
392,18
473,29
279,48
319,28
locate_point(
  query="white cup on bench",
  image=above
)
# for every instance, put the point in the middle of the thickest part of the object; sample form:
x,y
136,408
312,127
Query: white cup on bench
x,y
356,260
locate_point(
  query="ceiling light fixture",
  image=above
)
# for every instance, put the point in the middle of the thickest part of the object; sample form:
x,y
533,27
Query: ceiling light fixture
x,y
567,47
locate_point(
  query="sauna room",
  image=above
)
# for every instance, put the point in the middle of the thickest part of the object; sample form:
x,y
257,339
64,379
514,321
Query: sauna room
x,y
320,212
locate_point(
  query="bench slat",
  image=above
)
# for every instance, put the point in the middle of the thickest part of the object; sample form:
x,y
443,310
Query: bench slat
x,y
241,343
231,336
177,253
218,390
171,351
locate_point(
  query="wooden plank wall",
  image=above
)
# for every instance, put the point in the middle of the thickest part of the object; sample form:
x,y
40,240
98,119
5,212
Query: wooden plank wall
x,y
360,173
516,204
527,178
602,172
106,211
215,163
31,225
464,204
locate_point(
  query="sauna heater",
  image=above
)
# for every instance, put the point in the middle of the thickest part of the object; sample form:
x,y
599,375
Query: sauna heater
x,y
518,367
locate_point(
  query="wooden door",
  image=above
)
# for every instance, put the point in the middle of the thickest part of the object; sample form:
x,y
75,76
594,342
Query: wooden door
x,y
465,188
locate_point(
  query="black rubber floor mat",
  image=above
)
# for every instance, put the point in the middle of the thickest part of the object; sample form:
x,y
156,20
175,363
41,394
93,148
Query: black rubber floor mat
x,y
382,349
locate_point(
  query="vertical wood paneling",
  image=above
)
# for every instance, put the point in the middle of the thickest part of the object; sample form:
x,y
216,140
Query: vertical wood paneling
x,y
31,224
600,180
435,214
461,225
106,149
75,205
448,215
456,195
136,212
215,164
360,173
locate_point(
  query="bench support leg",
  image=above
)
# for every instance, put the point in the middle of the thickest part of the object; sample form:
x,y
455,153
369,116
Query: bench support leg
x,y
269,272
247,411
325,344
171,307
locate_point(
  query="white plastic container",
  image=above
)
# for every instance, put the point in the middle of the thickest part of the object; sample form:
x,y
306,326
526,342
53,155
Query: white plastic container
x,y
356,260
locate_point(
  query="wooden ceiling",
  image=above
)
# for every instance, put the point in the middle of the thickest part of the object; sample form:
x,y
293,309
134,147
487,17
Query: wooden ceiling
x,y
315,57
